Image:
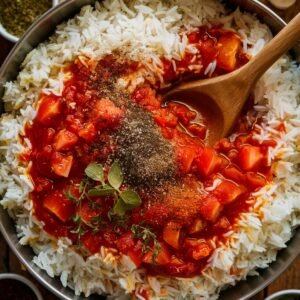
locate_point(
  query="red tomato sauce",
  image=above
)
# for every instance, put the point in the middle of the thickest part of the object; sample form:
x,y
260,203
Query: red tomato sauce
x,y
214,184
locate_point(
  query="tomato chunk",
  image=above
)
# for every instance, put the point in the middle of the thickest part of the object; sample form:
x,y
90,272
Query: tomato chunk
x,y
61,164
229,46
182,112
88,132
228,191
49,109
197,130
64,140
208,161
165,118
145,97
197,249
59,205
171,234
234,174
211,208
196,226
255,180
162,257
185,156
222,223
107,112
250,157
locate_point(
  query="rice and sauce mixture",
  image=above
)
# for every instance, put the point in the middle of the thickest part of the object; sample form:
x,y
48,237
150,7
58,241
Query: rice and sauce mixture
x,y
116,191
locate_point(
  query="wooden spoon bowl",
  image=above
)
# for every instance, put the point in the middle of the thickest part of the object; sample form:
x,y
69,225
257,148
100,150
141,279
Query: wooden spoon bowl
x,y
227,94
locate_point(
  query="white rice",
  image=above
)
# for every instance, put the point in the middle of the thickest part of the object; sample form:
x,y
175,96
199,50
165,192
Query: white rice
x,y
145,30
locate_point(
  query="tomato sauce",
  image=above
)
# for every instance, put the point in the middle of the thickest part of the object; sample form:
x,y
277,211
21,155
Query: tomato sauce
x,y
179,220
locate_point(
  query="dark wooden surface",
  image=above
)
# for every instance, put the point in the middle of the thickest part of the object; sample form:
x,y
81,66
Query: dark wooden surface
x,y
290,279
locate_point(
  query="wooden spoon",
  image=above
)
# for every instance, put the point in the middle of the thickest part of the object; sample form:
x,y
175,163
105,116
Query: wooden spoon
x,y
222,98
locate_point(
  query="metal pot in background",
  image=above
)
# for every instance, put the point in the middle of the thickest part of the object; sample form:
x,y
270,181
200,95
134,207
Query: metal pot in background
x,y
39,32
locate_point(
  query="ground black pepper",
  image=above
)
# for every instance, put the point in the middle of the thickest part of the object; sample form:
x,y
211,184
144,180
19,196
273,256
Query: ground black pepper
x,y
145,156
16,16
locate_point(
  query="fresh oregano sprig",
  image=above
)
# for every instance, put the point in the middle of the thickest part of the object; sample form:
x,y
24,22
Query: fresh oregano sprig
x,y
148,237
124,200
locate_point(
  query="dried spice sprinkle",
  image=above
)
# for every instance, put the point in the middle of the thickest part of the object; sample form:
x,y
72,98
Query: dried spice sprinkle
x,y
16,16
145,156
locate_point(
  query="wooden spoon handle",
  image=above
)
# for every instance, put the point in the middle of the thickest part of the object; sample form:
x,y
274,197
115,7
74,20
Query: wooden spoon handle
x,y
280,44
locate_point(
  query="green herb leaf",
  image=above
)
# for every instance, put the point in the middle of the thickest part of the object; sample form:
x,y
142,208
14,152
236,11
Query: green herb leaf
x,y
95,172
81,187
115,177
119,208
104,191
131,198
70,196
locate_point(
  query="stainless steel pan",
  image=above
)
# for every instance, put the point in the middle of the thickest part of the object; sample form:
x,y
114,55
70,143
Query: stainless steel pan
x,y
39,32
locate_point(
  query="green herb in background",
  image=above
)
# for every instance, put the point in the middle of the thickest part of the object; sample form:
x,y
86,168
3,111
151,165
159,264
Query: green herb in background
x,y
17,15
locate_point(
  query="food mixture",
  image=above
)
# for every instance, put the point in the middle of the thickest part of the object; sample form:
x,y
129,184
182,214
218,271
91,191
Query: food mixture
x,y
118,192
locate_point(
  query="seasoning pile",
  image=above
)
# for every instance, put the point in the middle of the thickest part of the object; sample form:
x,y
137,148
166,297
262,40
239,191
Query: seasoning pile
x,y
16,16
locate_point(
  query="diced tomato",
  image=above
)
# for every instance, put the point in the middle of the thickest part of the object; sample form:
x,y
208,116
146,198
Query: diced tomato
x,y
250,157
50,108
165,118
74,123
242,139
182,112
88,132
222,223
61,164
196,226
59,205
233,173
171,234
197,130
224,145
227,191
167,132
185,156
211,208
162,258
255,180
107,112
145,97
228,48
176,261
64,140
197,249
208,161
